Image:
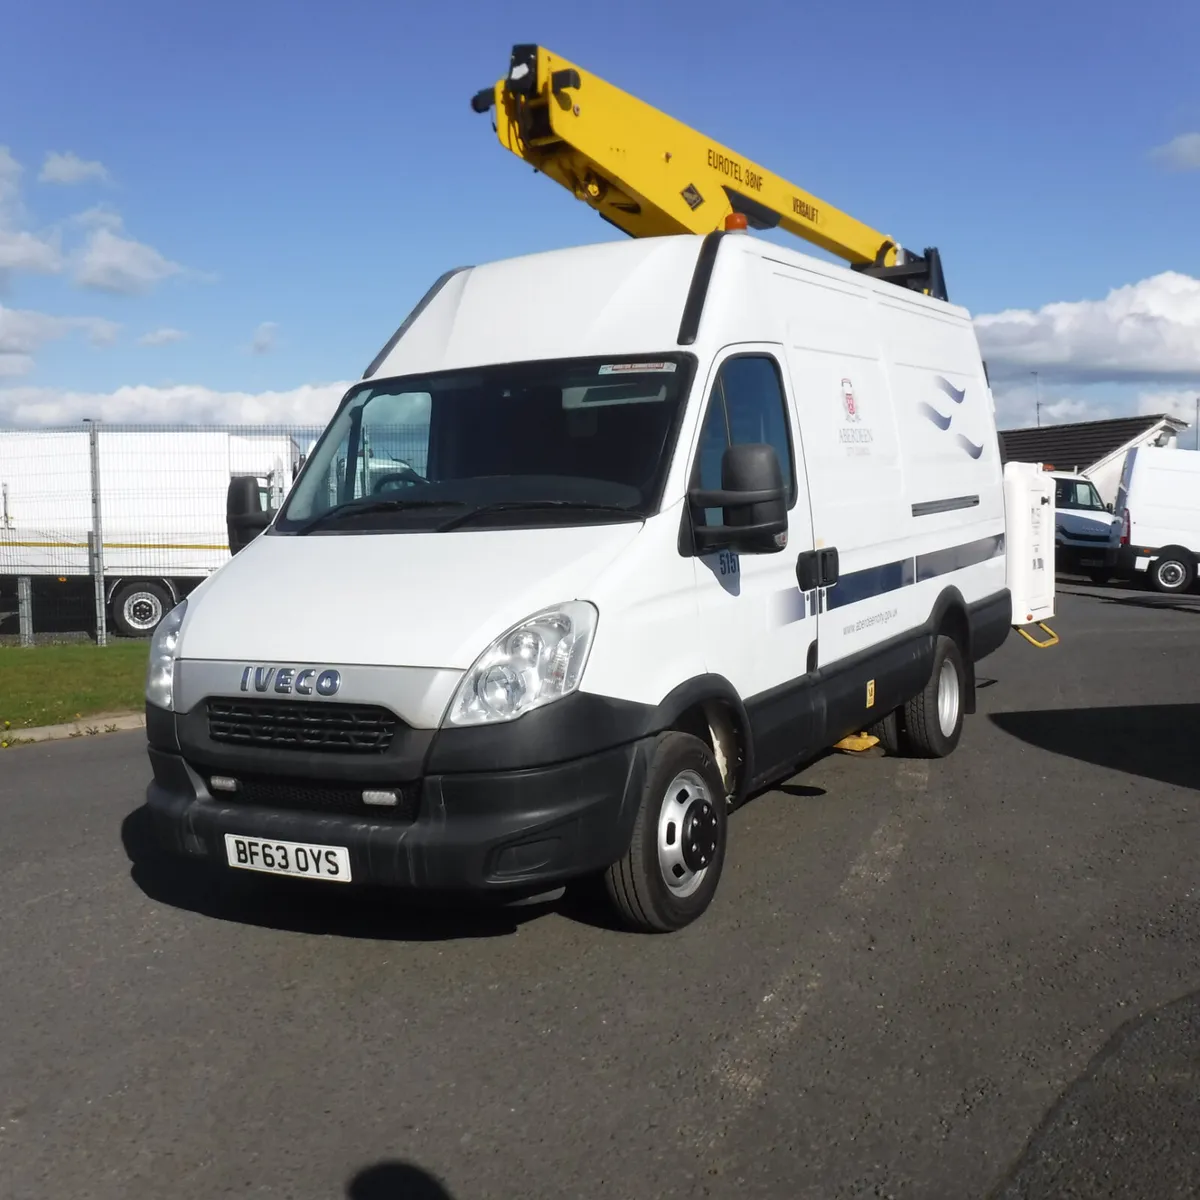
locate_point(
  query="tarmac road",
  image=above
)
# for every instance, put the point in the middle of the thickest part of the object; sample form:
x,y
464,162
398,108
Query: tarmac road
x,y
968,978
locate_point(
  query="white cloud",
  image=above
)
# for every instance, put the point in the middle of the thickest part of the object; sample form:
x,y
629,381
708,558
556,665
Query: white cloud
x,y
161,337
264,338
10,179
1147,332
14,364
21,250
99,216
111,263
69,168
310,405
1181,404
23,332
1179,154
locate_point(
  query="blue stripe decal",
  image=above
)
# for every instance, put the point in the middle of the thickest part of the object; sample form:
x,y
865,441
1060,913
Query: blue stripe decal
x,y
890,577
871,581
955,558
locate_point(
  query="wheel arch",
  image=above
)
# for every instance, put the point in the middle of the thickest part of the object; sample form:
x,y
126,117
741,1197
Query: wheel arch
x,y
709,708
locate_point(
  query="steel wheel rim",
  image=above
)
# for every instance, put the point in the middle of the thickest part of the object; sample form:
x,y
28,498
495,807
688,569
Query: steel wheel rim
x,y
686,790
1170,573
142,611
948,693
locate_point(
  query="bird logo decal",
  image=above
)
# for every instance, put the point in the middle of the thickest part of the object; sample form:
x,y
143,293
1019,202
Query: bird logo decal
x,y
943,420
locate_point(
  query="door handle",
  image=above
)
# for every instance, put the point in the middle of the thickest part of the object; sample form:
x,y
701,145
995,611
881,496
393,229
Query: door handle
x,y
816,569
808,572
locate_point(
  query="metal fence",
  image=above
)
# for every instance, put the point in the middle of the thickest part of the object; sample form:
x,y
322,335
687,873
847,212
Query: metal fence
x,y
104,527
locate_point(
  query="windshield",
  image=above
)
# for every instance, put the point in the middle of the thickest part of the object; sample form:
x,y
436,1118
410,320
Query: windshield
x,y
559,442
1078,493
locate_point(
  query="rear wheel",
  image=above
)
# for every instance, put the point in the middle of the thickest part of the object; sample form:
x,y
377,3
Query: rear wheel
x,y
889,733
1173,572
933,718
669,875
137,608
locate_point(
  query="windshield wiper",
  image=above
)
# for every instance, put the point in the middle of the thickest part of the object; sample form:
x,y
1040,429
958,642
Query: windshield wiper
x,y
503,505
374,504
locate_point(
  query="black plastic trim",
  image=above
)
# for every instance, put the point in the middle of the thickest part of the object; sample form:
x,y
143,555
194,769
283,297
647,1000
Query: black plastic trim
x,y
693,308
990,622
161,732
927,508
492,830
403,760
422,305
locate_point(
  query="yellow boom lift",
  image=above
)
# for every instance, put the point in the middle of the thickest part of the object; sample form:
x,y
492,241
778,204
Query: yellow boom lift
x,y
651,175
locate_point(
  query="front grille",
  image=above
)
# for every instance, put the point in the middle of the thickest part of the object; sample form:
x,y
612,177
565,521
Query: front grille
x,y
297,725
322,797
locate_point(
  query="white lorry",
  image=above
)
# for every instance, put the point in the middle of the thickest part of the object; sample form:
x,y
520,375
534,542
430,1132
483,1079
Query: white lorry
x,y
1156,532
163,515
644,550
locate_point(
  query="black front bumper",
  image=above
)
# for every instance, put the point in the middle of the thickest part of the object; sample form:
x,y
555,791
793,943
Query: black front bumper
x,y
494,830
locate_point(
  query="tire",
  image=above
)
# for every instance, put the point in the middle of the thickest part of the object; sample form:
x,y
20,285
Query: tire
x,y
683,793
137,608
1173,573
933,719
890,735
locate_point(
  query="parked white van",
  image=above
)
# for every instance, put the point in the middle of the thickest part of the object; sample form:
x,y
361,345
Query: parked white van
x,y
664,519
1083,526
1157,527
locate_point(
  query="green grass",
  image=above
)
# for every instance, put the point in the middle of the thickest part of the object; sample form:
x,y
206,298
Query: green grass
x,y
51,685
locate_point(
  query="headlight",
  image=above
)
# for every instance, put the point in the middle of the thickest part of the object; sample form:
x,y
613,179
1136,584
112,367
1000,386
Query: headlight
x,y
535,663
160,670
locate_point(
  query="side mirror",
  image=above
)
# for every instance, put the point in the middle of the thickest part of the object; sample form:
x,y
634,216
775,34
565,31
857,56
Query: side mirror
x,y
245,518
1109,506
753,500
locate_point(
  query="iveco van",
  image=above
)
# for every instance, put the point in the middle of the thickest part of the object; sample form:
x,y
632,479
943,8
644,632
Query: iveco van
x,y
604,540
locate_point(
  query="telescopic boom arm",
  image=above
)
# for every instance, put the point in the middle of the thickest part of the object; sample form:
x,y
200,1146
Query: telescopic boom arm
x,y
651,175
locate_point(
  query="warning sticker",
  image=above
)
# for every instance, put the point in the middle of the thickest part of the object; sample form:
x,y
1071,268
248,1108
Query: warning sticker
x,y
659,368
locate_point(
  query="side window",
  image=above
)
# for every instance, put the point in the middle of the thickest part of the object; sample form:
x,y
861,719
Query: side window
x,y
746,405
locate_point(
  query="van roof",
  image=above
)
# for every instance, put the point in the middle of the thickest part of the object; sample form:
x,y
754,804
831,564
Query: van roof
x,y
624,297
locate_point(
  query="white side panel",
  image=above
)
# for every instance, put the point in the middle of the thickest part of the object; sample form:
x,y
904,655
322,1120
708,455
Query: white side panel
x,y
46,477
1164,498
1029,504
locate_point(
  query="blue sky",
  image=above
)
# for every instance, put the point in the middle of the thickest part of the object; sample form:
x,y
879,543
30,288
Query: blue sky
x,y
298,174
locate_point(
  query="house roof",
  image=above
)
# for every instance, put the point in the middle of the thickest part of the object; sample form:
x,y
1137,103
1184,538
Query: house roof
x,y
1078,445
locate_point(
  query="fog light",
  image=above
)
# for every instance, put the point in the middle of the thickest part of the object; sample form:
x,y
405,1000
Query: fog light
x,y
223,783
383,799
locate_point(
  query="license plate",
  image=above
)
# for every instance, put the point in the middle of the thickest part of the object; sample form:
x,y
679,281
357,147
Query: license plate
x,y
1091,562
331,864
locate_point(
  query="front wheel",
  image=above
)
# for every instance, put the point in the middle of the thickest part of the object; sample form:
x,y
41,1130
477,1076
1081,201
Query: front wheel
x,y
933,718
669,875
1173,573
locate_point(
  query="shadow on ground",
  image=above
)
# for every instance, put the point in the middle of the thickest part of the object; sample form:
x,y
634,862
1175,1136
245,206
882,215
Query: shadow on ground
x,y
1129,1126
298,906
1155,741
395,1181
1189,602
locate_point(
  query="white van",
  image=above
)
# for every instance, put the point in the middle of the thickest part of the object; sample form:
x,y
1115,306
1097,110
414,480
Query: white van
x,y
1157,527
664,519
1083,526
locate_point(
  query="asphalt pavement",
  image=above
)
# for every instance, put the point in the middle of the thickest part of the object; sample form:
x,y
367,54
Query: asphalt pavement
x,y
977,977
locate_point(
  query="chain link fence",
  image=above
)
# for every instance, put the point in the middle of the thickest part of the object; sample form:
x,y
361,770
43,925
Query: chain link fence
x,y
103,528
